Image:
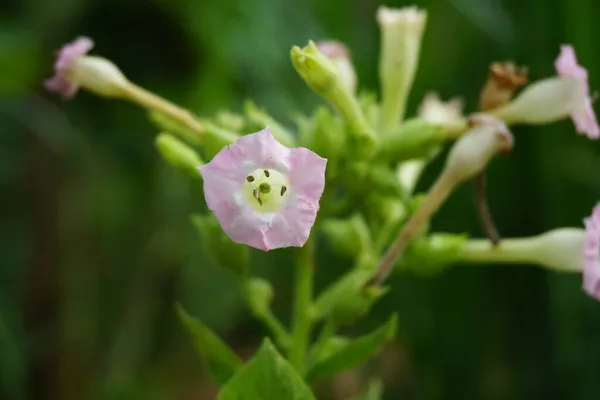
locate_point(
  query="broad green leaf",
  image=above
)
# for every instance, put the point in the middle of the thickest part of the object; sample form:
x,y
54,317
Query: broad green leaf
x,y
220,360
268,376
355,352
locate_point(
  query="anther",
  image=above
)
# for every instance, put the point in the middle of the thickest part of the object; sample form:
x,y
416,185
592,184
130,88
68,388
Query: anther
x,y
283,190
250,178
266,173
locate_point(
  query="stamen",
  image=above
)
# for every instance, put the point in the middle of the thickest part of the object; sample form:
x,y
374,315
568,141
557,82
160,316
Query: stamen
x,y
283,190
250,178
256,194
266,173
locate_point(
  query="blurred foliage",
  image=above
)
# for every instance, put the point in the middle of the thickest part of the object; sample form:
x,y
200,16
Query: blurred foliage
x,y
97,244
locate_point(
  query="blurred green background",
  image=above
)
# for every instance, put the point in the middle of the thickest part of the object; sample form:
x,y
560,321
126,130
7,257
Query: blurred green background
x,y
96,244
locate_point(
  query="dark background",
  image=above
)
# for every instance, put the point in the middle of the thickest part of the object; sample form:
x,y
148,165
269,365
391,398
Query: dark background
x,y
95,239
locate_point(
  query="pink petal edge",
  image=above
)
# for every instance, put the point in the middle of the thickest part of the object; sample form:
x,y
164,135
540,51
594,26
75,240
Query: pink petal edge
x,y
66,56
591,253
566,65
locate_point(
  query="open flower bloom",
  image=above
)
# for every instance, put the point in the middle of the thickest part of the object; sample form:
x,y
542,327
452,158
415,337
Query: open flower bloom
x,y
264,194
64,61
591,252
584,118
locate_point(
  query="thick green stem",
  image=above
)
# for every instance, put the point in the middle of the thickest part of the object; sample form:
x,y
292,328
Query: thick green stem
x,y
302,323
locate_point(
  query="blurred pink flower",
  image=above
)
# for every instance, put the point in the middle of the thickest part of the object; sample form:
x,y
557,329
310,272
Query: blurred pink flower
x,y
591,253
67,55
585,119
264,194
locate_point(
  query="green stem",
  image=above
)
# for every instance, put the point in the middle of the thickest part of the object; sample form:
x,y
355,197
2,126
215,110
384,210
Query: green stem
x,y
302,323
281,336
327,332
509,251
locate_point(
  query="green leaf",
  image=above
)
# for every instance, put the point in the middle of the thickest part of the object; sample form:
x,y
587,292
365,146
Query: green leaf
x,y
268,376
355,352
220,360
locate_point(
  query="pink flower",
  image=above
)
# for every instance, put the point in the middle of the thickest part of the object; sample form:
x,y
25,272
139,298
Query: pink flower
x,y
585,119
67,55
591,252
264,194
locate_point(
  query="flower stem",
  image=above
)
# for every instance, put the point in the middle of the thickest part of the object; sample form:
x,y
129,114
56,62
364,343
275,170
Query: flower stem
x,y
152,101
439,192
303,288
510,251
282,338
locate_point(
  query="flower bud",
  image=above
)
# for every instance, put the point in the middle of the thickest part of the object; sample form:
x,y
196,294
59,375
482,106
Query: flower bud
x,y
430,254
349,237
339,54
473,151
229,120
416,138
357,304
220,247
178,154
545,101
401,35
259,119
317,70
99,75
259,294
323,76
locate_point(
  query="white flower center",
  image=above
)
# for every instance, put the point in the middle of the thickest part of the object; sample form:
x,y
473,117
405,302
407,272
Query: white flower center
x,y
266,190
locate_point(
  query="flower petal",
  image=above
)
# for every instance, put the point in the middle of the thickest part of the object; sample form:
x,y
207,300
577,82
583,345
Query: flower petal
x,y
591,253
584,119
262,149
226,176
291,226
307,174
66,56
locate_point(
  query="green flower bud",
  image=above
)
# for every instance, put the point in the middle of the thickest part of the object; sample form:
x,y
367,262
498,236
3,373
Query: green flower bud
x,y
347,298
225,253
216,138
259,119
348,237
431,254
229,121
322,75
357,305
414,139
259,294
178,154
317,70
